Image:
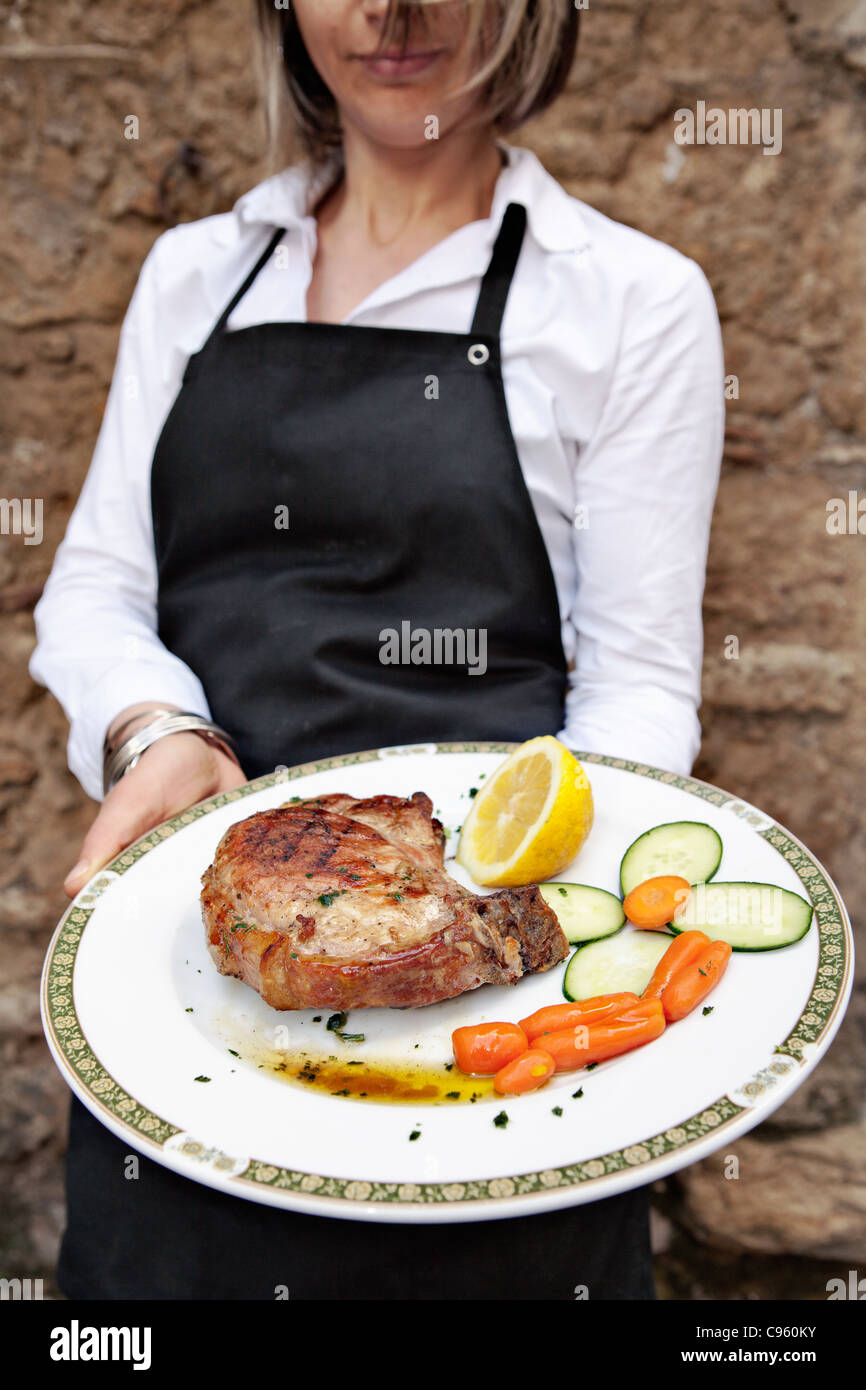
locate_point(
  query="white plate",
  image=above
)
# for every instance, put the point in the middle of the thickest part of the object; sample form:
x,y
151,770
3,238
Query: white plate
x,y
134,1010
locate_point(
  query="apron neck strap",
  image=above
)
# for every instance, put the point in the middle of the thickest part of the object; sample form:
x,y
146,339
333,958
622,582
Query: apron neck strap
x,y
241,291
492,296
500,272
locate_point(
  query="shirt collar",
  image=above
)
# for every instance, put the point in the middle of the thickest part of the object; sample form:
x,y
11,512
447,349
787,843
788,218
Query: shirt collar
x,y
555,219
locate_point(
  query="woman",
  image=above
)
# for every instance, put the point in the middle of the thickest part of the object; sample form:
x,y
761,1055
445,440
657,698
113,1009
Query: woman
x,y
408,378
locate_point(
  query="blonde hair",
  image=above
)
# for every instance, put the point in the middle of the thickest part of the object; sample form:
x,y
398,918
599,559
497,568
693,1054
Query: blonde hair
x,y
523,51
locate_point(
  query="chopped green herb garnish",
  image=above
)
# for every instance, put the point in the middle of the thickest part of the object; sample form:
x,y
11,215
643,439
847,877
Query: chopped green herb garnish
x,y
187,1011
232,1051
327,898
473,791
202,1078
318,1018
557,1110
416,1134
500,1120
576,1095
563,892
707,1009
336,1023
449,1066
590,1066
452,1095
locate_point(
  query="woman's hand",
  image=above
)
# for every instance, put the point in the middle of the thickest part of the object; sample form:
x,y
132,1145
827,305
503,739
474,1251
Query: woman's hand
x,y
172,774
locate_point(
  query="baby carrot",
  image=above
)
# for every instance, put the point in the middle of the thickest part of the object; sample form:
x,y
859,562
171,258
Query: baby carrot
x,y
693,983
653,903
596,1042
484,1048
526,1073
555,1017
682,951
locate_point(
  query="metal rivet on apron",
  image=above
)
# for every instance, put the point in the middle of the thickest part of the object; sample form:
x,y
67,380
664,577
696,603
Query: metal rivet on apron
x,y
478,354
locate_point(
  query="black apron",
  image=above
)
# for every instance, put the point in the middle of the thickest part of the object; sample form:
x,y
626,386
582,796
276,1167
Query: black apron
x,y
327,498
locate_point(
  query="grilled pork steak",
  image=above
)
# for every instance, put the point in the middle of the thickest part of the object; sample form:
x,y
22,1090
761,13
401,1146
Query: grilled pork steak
x,y
336,903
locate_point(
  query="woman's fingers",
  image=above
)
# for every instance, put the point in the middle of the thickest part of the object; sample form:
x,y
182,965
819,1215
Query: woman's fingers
x,y
172,774
129,809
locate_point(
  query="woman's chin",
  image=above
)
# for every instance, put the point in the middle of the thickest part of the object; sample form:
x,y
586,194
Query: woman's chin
x,y
395,119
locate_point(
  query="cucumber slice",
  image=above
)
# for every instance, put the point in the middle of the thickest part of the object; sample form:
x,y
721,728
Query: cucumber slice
x,y
622,962
689,848
749,916
585,914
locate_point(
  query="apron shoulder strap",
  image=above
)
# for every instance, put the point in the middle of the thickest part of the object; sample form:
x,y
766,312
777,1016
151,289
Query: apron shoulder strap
x,y
495,286
500,272
241,291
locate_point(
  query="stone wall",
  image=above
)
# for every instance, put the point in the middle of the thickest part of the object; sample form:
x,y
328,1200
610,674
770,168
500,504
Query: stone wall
x,y
783,241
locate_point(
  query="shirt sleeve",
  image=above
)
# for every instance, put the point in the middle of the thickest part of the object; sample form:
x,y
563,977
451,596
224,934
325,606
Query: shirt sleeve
x,y
645,488
97,649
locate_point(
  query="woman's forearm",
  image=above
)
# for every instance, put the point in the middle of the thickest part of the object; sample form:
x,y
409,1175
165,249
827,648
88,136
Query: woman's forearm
x,y
642,723
98,657
646,483
97,649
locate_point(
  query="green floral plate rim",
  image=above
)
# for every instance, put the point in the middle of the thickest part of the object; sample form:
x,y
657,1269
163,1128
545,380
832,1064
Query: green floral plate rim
x,y
350,1197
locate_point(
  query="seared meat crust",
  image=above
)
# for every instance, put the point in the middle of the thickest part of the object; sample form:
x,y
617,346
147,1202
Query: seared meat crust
x,y
339,903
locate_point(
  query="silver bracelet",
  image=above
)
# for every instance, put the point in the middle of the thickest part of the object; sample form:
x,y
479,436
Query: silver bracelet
x,y
125,757
110,743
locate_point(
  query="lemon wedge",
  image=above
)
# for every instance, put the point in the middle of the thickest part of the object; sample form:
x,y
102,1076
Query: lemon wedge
x,y
530,819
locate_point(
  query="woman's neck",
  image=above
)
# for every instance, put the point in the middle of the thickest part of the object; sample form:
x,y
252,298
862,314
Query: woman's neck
x,y
389,196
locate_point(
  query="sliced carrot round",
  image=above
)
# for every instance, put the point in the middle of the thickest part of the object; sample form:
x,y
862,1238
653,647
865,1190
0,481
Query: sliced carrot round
x,y
652,904
526,1073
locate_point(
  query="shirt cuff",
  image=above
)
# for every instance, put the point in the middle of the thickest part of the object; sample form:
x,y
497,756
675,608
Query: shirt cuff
x,y
668,738
126,684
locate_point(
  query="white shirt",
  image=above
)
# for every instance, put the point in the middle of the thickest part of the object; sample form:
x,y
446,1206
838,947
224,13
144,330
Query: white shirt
x,y
614,382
